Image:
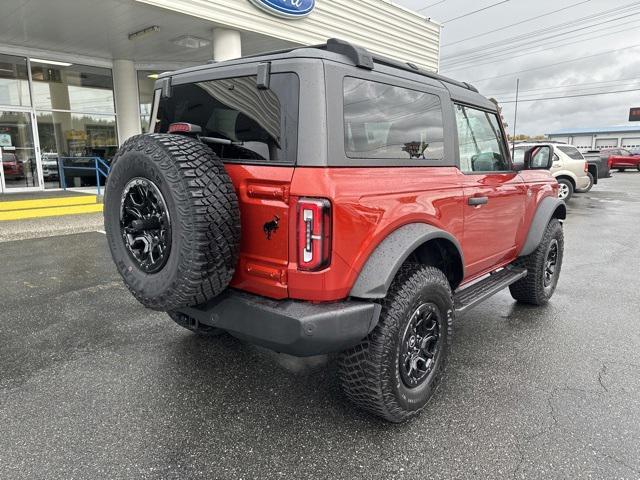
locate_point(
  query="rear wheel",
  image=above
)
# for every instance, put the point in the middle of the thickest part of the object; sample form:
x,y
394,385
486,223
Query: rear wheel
x,y
395,370
588,187
638,167
566,189
621,169
543,268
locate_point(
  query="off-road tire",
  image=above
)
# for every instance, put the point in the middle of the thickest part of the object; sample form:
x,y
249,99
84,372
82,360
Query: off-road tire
x,y
589,187
531,288
204,213
569,186
189,323
369,372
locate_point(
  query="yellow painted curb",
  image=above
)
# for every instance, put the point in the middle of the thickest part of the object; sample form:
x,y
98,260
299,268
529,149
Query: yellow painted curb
x,y
50,212
47,203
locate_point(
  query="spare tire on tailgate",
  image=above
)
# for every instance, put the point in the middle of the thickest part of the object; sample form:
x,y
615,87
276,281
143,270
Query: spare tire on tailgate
x,y
172,220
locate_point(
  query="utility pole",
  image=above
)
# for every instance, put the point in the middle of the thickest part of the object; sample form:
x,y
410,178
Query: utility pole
x,y
515,119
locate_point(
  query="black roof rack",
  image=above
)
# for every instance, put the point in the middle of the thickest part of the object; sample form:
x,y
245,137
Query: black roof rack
x,y
362,58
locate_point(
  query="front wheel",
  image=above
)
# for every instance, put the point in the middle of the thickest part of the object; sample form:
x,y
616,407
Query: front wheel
x,y
638,167
395,370
566,189
621,169
543,267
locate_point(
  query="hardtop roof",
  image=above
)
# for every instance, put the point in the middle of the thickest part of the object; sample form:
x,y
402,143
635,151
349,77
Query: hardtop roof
x,y
344,52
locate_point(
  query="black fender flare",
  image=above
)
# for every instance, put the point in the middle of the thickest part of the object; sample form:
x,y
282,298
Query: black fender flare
x,y
550,207
382,265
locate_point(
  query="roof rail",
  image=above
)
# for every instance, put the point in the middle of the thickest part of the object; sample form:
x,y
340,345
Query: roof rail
x,y
360,56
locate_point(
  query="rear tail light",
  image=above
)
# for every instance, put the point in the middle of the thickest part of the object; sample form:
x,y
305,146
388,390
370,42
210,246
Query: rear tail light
x,y
586,167
314,233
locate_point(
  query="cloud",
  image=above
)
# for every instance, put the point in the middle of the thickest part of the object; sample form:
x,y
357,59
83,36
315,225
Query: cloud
x,y
546,116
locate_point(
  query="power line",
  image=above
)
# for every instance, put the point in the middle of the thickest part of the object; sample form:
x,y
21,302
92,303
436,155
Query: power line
x,y
504,92
550,46
431,5
476,11
556,64
537,41
542,99
535,35
510,25
577,91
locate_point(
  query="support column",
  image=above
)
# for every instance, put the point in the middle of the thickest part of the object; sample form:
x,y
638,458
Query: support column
x,y
227,44
125,86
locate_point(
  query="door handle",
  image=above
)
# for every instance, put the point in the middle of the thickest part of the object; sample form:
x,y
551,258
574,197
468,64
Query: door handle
x,y
476,201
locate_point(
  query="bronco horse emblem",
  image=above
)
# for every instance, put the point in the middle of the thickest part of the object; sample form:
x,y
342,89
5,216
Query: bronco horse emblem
x,y
271,227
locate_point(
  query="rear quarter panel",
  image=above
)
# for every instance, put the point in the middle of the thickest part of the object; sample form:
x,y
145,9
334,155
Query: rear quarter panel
x,y
368,204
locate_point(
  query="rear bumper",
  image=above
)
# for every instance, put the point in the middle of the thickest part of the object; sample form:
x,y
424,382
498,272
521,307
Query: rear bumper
x,y
288,326
583,182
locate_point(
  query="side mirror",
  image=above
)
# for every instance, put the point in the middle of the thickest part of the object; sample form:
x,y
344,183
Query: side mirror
x,y
539,157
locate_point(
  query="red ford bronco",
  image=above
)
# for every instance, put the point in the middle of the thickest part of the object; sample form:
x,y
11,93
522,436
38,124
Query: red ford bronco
x,y
324,199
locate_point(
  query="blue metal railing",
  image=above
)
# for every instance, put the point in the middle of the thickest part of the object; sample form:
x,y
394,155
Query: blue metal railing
x,y
100,167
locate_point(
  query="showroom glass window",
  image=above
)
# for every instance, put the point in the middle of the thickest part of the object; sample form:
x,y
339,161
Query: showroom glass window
x,y
14,81
76,118
387,122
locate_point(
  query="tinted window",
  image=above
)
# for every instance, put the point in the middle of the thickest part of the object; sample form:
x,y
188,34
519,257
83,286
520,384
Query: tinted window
x,y
387,122
262,124
572,152
480,141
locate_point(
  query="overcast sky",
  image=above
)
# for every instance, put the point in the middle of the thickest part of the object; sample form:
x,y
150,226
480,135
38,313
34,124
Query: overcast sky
x,y
620,69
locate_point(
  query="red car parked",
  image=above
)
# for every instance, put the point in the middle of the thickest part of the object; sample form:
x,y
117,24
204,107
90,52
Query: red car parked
x,y
325,199
621,159
13,169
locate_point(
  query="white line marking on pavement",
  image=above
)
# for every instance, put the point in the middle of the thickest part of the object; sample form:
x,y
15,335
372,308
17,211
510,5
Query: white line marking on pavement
x,y
101,231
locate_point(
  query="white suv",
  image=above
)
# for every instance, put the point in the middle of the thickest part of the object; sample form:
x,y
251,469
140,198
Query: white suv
x,y
569,168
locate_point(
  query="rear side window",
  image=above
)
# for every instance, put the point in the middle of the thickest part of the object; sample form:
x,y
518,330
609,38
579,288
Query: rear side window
x,y
572,152
262,124
480,141
387,122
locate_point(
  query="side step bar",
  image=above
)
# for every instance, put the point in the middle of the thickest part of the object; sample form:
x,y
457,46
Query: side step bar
x,y
467,298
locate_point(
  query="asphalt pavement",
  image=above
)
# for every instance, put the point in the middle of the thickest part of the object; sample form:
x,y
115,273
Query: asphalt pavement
x,y
92,385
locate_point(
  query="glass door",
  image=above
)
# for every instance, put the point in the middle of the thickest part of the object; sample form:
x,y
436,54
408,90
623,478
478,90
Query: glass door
x,y
18,152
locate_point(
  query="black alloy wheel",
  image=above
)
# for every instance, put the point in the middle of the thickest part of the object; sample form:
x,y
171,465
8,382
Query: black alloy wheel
x,y
550,265
145,224
420,345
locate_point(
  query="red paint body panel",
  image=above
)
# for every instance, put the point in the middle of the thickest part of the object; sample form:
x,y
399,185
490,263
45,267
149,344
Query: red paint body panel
x,y
624,162
263,193
367,205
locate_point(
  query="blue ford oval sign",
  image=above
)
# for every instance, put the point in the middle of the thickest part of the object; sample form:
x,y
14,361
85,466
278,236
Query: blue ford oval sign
x,y
286,8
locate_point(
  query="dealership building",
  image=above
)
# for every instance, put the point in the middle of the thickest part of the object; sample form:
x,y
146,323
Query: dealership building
x,y
586,139
77,77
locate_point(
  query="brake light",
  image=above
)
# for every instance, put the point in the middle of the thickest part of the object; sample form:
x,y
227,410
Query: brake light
x,y
314,233
184,127
586,167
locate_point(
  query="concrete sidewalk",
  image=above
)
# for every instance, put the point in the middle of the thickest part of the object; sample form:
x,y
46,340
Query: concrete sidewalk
x,y
50,226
